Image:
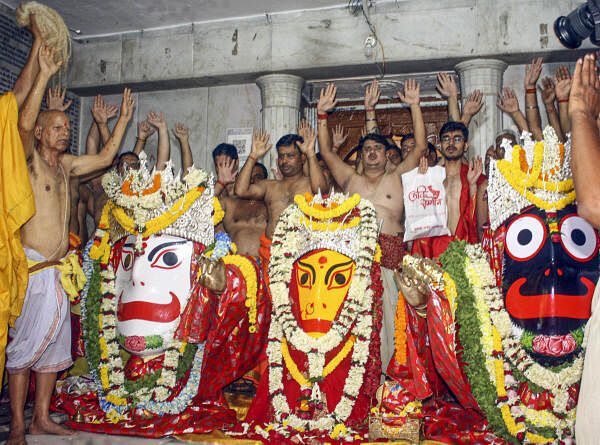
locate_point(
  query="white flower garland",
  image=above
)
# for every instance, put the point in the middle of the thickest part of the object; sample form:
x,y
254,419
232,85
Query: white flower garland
x,y
489,304
355,317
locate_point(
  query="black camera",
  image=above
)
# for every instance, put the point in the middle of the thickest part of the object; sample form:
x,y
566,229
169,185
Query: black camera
x,y
581,23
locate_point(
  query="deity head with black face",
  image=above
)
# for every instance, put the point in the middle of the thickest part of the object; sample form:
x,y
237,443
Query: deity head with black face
x,y
551,266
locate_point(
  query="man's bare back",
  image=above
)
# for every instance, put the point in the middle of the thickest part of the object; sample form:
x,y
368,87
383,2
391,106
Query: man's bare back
x,y
245,220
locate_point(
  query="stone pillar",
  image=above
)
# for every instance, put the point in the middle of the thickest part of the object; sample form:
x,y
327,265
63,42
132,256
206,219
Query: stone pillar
x,y
484,75
280,95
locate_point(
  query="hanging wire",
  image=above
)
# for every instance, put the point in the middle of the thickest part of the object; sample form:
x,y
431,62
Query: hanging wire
x,y
355,7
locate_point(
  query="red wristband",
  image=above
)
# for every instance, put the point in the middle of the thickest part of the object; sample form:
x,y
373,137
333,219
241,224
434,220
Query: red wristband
x,y
531,91
562,101
369,109
222,185
322,116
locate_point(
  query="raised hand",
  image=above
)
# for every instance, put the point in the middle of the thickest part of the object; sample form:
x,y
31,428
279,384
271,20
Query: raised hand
x,y
508,101
180,131
585,90
547,90
446,85
475,170
156,120
310,137
55,99
101,111
226,169
532,72
33,27
48,67
145,130
303,128
372,94
260,144
127,104
338,136
411,94
327,99
562,82
473,103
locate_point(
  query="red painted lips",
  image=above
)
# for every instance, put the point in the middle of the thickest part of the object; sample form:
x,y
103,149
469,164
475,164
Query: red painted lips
x,y
143,310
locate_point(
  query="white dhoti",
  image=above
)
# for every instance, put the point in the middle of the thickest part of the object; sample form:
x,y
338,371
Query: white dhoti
x,y
390,300
41,338
587,425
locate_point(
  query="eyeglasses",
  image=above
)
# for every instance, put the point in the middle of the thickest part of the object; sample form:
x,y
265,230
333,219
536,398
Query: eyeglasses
x,y
456,139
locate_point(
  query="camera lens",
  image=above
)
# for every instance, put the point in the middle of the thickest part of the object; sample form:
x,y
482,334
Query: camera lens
x,y
574,28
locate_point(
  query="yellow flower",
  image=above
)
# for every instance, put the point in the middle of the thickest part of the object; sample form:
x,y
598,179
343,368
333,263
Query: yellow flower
x,y
534,438
249,273
219,212
334,212
339,429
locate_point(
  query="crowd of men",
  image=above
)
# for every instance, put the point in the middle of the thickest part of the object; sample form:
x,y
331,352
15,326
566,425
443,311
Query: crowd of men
x,y
66,188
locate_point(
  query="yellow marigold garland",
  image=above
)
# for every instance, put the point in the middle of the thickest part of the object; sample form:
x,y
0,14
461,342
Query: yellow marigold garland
x,y
400,331
219,212
377,256
247,269
309,210
157,224
328,369
521,179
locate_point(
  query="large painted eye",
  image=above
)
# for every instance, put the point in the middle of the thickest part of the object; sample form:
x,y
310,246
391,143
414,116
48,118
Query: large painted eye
x,y
305,277
339,278
167,259
578,237
525,237
127,259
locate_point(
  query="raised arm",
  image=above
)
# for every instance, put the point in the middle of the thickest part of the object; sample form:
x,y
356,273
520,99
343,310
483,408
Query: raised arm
x,y
226,170
102,112
562,81
508,102
472,106
307,147
447,87
81,165
338,136
164,144
584,108
182,135
31,69
144,131
341,171
532,112
372,94
548,97
243,188
31,106
55,99
411,96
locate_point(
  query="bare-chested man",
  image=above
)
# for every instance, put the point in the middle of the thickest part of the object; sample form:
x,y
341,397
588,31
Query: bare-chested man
x,y
245,219
383,187
292,152
42,333
465,193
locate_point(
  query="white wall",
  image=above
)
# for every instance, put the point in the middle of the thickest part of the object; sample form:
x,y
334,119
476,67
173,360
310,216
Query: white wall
x,y
208,112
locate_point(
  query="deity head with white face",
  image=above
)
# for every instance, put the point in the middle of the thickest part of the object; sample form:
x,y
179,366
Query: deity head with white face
x,y
153,287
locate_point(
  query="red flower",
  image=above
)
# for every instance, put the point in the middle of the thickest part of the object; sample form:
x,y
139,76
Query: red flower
x,y
554,345
135,343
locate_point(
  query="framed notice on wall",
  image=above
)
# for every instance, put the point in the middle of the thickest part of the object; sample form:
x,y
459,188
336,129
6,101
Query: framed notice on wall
x,y
242,139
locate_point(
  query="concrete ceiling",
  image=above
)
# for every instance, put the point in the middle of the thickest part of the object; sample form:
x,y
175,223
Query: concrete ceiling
x,y
105,17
